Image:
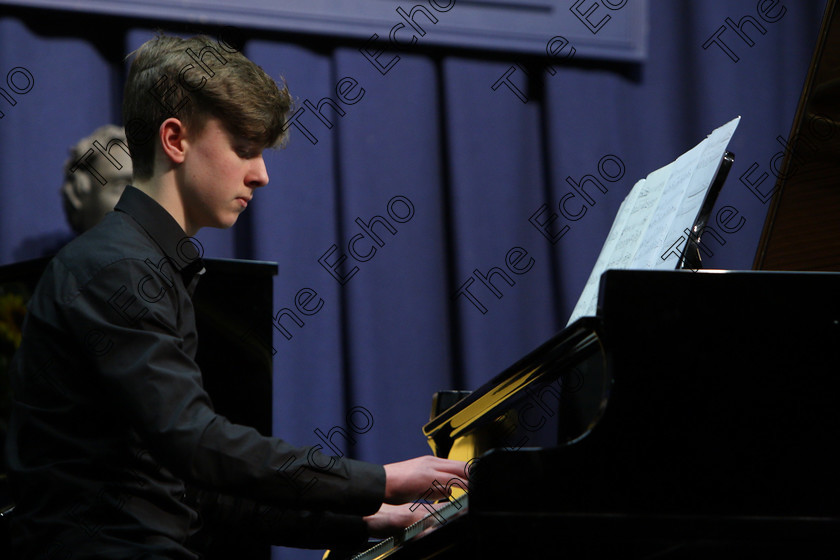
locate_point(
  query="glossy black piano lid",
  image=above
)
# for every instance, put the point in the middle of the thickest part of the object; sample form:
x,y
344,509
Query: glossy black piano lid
x,y
549,397
802,230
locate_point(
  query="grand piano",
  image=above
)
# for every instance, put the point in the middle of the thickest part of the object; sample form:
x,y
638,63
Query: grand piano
x,y
695,416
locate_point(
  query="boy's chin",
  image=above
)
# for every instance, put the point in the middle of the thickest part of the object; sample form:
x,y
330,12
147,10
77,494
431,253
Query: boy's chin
x,y
230,223
224,222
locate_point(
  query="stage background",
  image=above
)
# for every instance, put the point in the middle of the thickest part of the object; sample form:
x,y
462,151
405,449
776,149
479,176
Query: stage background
x,y
475,164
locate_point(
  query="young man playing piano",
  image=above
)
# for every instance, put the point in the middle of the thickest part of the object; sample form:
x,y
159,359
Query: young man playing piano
x,y
110,423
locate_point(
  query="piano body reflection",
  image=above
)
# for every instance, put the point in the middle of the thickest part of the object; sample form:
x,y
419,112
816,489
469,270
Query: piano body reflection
x,y
695,416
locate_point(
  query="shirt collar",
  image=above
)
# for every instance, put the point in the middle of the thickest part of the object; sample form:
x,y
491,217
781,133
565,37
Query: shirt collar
x,y
183,251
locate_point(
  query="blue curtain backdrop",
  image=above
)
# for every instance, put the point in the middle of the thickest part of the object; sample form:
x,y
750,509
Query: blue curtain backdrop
x,y
461,167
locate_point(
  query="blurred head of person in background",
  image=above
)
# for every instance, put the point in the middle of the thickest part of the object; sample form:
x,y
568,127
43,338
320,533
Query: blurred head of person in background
x,y
95,176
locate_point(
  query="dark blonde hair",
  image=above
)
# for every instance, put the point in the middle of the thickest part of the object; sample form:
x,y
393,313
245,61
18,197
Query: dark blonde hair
x,y
191,80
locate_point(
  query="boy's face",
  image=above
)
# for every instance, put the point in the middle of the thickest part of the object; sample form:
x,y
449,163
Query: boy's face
x,y
218,176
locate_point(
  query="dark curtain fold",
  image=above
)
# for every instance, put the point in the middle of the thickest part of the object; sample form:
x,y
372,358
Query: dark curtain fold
x,y
454,283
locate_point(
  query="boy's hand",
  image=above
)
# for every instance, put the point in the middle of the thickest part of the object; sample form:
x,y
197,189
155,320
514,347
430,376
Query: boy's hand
x,y
409,481
390,520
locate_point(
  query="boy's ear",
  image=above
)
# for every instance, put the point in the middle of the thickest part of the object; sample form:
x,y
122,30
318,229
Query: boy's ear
x,y
172,135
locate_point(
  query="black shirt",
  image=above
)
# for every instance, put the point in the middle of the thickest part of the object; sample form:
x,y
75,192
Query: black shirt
x,y
110,418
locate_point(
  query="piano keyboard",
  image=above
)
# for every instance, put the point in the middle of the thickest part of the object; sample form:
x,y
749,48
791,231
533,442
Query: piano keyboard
x,y
382,549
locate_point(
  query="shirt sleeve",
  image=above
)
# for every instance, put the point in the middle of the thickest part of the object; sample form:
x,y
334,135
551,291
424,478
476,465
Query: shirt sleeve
x,y
135,327
226,518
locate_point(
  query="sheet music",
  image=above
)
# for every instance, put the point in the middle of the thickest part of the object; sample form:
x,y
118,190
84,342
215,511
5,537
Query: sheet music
x,y
590,290
655,214
699,181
